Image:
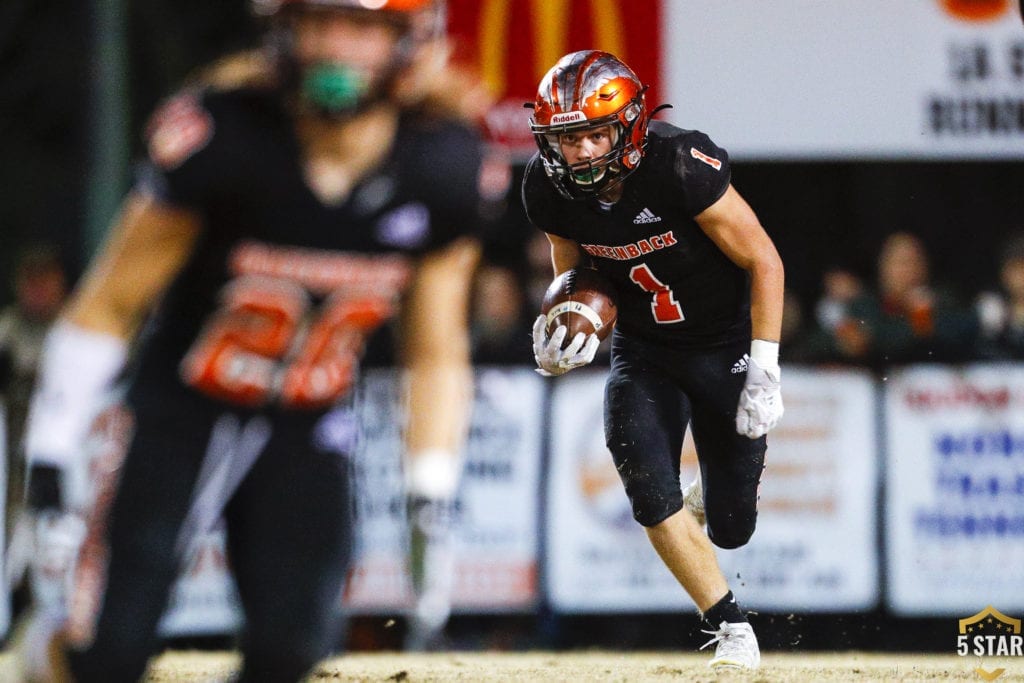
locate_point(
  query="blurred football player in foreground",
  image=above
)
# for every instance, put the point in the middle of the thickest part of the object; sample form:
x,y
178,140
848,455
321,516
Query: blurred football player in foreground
x,y
699,291
292,202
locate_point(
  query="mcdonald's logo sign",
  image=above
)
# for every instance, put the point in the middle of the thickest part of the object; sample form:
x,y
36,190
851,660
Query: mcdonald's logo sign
x,y
512,43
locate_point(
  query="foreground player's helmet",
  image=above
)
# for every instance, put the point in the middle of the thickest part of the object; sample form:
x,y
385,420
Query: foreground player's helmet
x,y
582,91
334,89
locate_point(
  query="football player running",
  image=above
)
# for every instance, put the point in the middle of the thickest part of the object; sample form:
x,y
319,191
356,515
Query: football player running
x,y
699,289
292,201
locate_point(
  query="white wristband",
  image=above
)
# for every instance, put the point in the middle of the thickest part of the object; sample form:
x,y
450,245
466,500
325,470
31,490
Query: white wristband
x,y
765,353
432,473
77,368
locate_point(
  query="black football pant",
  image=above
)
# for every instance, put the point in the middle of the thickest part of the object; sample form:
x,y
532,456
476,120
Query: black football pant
x,y
652,393
289,536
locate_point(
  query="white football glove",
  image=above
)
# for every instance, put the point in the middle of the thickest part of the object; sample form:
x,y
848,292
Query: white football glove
x,y
760,406
552,359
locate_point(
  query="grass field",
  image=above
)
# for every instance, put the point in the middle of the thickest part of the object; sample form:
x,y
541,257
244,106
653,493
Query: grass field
x,y
595,666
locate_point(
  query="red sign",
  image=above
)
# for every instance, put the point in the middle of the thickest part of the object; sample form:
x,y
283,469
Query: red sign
x,y
511,44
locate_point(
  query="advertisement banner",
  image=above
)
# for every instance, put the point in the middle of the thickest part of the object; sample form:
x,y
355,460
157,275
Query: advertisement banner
x,y
496,528
820,484
511,44
805,79
203,600
955,489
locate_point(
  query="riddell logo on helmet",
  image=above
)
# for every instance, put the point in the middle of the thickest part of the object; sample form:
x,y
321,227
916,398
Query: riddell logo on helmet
x,y
568,117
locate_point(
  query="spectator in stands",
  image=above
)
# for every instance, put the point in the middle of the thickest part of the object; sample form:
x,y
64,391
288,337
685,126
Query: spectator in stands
x,y
40,286
1001,313
500,321
796,340
844,320
919,321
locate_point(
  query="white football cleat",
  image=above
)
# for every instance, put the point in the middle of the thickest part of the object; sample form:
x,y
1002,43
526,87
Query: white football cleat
x,y
693,500
737,647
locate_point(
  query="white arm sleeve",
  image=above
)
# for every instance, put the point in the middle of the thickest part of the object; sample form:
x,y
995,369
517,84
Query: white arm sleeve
x,y
77,369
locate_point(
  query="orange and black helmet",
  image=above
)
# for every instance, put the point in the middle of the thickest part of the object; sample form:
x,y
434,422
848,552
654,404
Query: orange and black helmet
x,y
582,91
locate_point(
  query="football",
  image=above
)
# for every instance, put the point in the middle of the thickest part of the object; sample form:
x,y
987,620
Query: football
x,y
583,300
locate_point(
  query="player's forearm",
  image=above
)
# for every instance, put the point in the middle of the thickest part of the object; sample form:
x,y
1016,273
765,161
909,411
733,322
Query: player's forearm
x,y
435,350
97,305
565,254
767,286
439,398
146,248
90,310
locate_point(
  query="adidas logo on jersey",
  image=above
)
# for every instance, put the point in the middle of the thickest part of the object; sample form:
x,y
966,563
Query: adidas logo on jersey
x,y
740,365
646,216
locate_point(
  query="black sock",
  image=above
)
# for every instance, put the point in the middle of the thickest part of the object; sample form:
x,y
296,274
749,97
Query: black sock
x,y
726,610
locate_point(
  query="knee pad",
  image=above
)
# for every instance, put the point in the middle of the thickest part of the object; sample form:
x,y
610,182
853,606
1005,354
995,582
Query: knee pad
x,y
653,500
653,515
733,533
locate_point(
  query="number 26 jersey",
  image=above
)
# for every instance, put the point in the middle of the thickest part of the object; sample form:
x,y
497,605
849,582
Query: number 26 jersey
x,y
282,288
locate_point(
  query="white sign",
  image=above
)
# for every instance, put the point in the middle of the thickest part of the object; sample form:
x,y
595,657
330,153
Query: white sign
x,y
204,600
496,532
797,79
819,486
955,490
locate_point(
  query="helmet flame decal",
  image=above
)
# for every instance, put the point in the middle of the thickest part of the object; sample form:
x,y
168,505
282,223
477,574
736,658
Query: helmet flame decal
x,y
577,95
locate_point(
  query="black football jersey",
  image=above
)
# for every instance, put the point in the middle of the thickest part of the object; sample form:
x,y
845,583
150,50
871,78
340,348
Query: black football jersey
x,y
282,289
673,284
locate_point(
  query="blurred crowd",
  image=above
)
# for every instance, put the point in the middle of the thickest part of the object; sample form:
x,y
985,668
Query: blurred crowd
x,y
904,312
901,312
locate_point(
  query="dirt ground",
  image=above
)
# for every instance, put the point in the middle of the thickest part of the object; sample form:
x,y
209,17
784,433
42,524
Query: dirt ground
x,y
608,666
211,667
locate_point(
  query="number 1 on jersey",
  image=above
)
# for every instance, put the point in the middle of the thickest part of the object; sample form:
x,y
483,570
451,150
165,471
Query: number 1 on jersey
x,y
664,306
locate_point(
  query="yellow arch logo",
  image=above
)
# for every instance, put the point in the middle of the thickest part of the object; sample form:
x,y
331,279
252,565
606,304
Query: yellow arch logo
x,y
549,19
